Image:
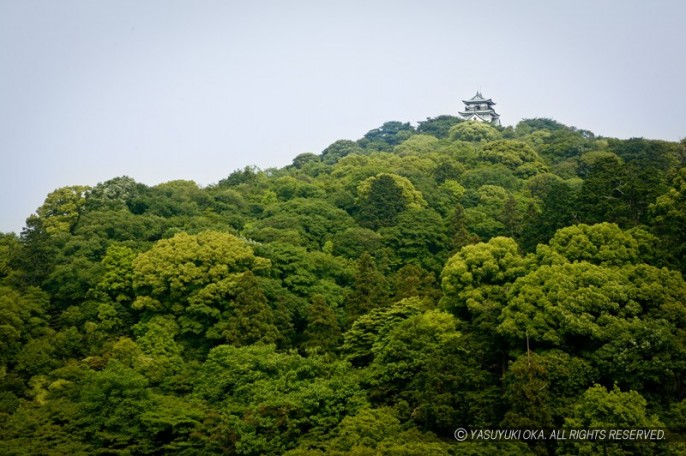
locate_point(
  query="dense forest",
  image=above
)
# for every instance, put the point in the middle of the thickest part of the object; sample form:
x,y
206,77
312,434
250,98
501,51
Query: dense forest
x,y
369,299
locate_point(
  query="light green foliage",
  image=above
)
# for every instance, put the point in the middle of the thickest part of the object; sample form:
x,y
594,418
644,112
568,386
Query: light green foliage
x,y
197,278
161,355
509,152
473,132
121,225
178,197
485,174
288,187
9,253
176,268
454,188
413,199
116,279
556,304
417,144
474,280
599,408
306,273
401,353
62,208
603,244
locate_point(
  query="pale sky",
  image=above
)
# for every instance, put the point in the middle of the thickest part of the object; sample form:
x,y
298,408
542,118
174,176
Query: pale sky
x,y
161,90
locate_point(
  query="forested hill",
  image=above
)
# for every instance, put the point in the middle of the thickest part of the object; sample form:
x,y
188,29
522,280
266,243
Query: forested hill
x,y
367,300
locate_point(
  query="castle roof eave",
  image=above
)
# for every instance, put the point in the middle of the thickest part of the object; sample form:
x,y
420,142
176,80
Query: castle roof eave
x,y
481,111
472,115
480,101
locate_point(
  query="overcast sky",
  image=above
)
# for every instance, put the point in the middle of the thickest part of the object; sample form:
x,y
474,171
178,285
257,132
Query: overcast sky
x,y
160,90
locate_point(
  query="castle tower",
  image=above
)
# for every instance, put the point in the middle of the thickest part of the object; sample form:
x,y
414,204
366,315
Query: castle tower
x,y
480,109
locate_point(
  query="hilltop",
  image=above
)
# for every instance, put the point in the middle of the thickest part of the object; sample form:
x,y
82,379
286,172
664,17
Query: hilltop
x,y
371,298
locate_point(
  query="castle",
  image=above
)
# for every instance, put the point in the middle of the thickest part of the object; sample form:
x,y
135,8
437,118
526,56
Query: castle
x,y
480,109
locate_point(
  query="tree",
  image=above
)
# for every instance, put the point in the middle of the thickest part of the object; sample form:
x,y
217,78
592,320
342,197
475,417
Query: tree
x,y
601,198
383,197
340,149
417,144
602,244
386,136
411,281
374,431
250,319
192,277
541,388
270,400
114,194
418,238
322,330
301,160
473,132
475,280
552,209
352,242
599,408
22,319
62,208
575,305
369,290
313,221
367,330
509,152
526,126
669,216
423,366
437,126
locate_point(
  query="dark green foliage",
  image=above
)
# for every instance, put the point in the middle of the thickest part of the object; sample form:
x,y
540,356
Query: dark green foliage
x,y
539,123
250,320
386,136
323,330
438,126
383,198
369,291
299,310
340,149
555,209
